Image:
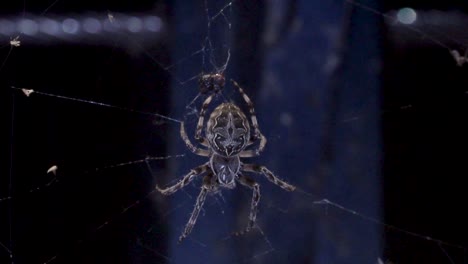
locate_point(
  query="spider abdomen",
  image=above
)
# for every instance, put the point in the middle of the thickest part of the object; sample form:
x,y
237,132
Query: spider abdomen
x,y
228,130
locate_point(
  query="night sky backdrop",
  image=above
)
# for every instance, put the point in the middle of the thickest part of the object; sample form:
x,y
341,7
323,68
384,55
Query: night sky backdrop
x,y
357,109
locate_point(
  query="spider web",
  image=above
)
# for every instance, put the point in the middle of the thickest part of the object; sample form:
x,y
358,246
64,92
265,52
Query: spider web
x,y
104,182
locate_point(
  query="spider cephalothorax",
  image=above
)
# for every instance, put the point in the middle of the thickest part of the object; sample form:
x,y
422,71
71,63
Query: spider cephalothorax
x,y
227,135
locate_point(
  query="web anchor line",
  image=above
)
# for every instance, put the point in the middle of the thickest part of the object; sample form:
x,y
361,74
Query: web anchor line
x,y
55,179
389,226
29,92
459,59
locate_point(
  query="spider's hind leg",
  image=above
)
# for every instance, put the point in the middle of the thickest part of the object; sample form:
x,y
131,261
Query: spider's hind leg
x,y
208,186
185,180
269,175
248,182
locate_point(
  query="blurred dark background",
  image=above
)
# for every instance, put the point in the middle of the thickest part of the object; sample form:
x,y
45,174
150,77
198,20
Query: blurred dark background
x,y
358,108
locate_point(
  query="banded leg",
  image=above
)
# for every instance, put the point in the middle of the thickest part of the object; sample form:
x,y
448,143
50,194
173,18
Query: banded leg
x,y
188,143
207,186
185,180
253,117
247,181
269,175
201,119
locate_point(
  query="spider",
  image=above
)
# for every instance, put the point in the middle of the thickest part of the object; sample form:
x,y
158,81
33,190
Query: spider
x,y
227,135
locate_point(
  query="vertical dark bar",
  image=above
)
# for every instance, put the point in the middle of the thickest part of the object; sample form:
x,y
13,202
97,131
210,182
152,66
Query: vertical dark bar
x,y
190,31
246,68
351,150
309,92
187,21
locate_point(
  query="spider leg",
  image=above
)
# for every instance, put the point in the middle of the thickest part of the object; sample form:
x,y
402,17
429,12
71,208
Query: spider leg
x,y
269,175
185,180
249,153
201,119
253,117
248,182
207,186
198,151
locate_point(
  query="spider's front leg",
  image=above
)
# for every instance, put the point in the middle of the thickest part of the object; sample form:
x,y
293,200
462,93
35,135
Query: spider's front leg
x,y
257,134
185,138
185,180
269,175
208,186
198,130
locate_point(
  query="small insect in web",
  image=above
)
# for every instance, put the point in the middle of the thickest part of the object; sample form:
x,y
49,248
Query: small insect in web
x,y
459,58
227,134
15,42
212,82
